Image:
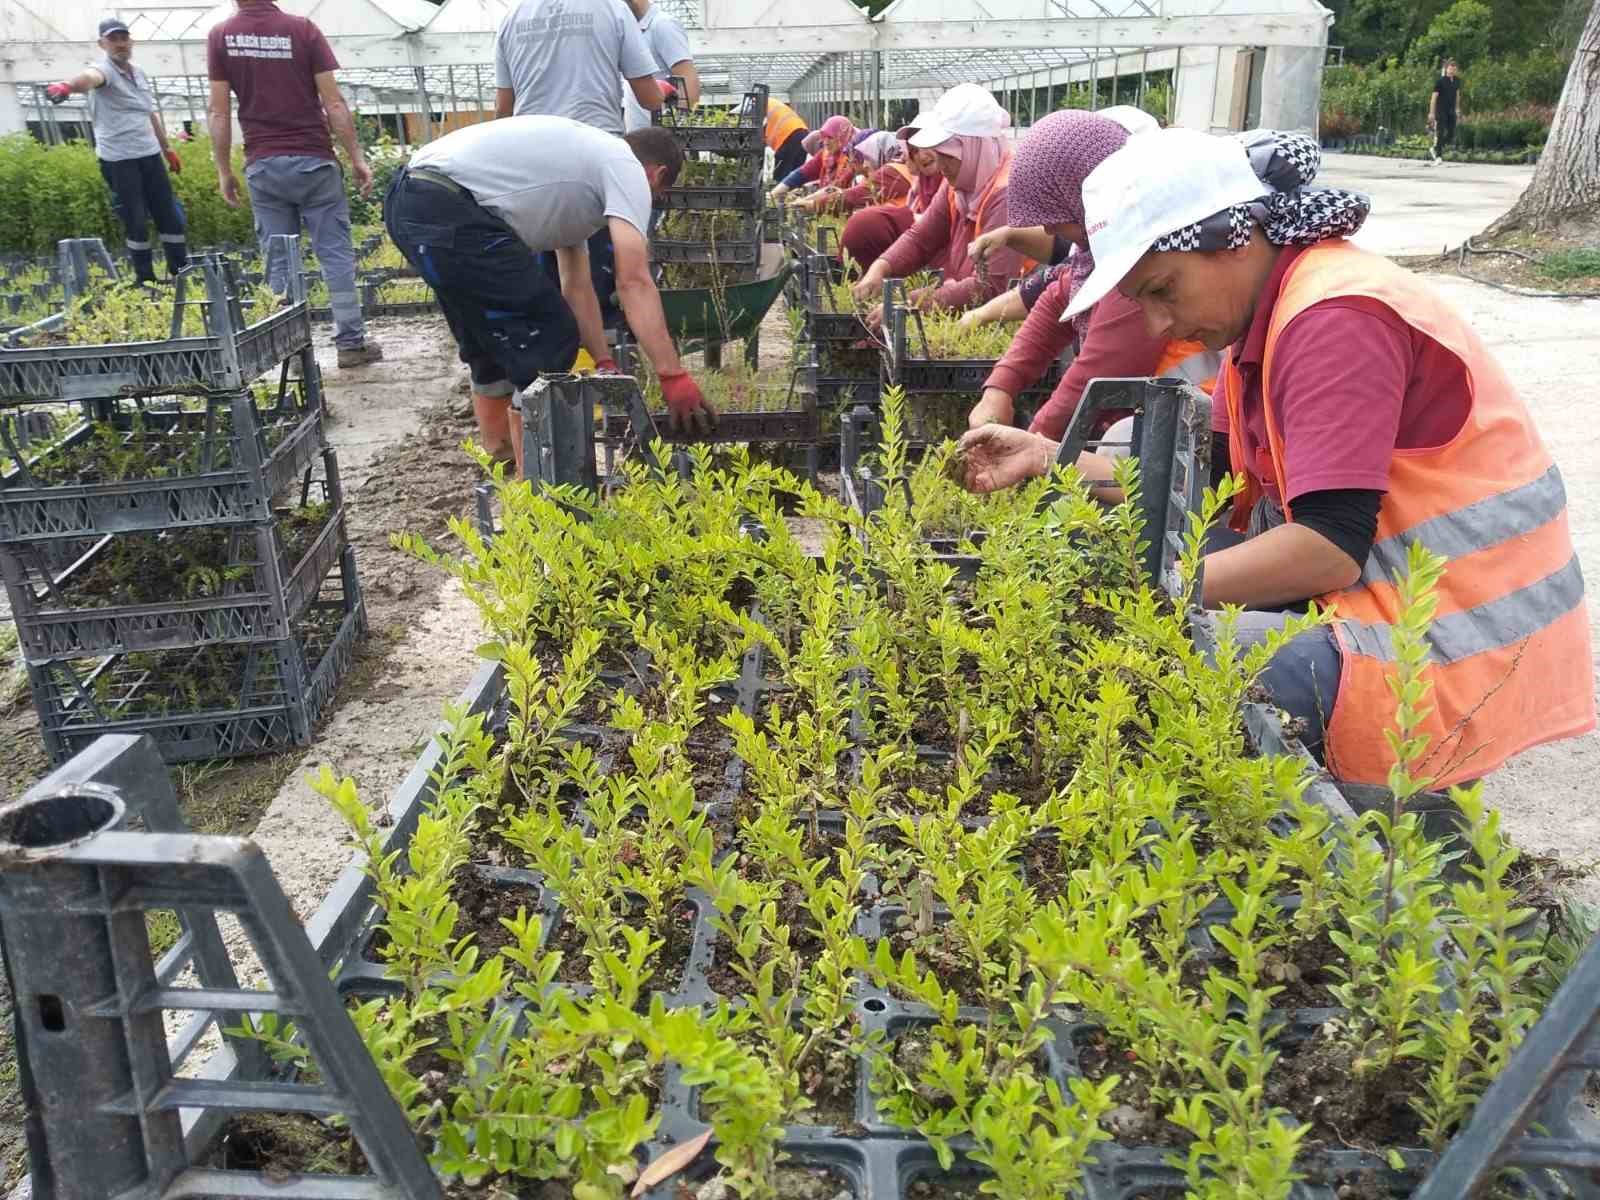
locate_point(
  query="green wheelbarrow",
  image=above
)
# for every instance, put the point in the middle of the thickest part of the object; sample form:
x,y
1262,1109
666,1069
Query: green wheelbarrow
x,y
707,317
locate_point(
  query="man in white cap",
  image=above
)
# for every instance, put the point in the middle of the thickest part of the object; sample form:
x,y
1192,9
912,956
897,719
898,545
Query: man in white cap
x,y
1362,415
967,131
130,143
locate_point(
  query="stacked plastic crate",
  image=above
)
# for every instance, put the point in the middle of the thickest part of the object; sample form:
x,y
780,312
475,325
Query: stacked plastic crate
x,y
174,548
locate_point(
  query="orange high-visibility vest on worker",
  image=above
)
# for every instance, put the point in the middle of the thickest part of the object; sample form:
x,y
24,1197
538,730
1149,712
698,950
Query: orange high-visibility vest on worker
x,y
1191,362
987,214
782,121
905,172
1510,658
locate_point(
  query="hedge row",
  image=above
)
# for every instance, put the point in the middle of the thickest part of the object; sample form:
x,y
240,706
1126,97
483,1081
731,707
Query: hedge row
x,y
52,192
1394,97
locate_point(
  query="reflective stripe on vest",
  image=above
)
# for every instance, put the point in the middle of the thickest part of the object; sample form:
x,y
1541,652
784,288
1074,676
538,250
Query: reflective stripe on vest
x,y
1509,656
904,172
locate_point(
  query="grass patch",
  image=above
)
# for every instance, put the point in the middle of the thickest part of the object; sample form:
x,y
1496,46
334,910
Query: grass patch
x,y
161,925
1564,265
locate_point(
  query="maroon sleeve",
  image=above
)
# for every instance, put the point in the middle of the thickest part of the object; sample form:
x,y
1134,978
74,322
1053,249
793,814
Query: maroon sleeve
x,y
1117,344
216,60
811,168
1219,399
922,243
1041,338
1338,412
319,53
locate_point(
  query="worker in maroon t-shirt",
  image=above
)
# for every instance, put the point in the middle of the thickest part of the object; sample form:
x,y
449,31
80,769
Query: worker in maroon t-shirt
x,y
281,68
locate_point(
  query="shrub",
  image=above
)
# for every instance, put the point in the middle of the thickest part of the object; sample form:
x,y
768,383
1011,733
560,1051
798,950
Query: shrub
x,y
1460,31
1339,125
1395,96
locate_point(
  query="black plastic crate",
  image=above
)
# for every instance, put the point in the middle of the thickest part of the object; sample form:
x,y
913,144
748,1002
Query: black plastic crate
x,y
258,696
230,355
228,458
747,137
744,194
737,238
256,595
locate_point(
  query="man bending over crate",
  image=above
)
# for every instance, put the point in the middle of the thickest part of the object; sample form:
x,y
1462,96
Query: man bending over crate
x,y
473,211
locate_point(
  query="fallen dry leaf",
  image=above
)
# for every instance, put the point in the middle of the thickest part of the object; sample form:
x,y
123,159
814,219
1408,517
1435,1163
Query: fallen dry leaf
x,y
670,1163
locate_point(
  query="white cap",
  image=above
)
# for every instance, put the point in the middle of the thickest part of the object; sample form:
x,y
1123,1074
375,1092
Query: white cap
x,y
1134,120
966,110
1159,182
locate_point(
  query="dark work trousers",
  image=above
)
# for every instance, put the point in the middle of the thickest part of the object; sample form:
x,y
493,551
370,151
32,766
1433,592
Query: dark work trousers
x,y
508,316
1445,134
141,192
790,155
602,270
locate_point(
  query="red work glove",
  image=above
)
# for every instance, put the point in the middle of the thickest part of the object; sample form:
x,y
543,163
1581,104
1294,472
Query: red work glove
x,y
669,94
174,163
607,366
58,92
686,407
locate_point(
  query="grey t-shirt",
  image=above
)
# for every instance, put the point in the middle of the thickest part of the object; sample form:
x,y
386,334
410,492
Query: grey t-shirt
x,y
562,57
120,110
668,44
554,181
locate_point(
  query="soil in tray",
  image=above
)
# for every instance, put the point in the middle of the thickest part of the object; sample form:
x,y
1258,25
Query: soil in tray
x,y
946,1187
1314,1081
793,1182
668,962
830,1084
934,778
280,1144
483,903
1135,1119
1303,971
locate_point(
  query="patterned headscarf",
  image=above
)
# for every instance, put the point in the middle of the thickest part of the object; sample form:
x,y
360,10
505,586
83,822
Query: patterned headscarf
x,y
838,129
1292,214
1047,177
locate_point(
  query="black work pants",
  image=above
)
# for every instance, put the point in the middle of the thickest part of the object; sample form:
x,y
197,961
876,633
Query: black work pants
x,y
1445,133
790,155
508,316
141,192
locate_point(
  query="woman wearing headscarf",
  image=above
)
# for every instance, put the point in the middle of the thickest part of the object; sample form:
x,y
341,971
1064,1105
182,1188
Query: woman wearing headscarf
x,y
872,230
966,129
837,135
1365,416
1047,194
881,156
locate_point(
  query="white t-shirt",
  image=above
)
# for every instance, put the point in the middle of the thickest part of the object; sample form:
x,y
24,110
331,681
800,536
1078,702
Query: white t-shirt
x,y
561,58
668,44
553,180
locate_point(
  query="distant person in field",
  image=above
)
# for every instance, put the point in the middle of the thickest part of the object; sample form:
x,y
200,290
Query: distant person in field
x,y
1444,107
131,142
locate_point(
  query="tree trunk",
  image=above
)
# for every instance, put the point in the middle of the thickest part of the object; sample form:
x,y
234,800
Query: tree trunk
x,y
1566,183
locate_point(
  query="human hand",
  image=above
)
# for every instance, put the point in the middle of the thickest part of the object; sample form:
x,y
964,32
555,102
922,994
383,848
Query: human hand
x,y
174,163
229,187
607,366
874,318
58,92
868,285
922,298
686,407
994,409
363,173
986,244
1000,456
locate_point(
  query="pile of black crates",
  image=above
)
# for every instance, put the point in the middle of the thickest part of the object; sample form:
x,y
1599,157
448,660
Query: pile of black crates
x,y
172,531
715,216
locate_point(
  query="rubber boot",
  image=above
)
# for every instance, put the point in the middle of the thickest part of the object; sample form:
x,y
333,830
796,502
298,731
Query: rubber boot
x,y
144,265
493,413
177,257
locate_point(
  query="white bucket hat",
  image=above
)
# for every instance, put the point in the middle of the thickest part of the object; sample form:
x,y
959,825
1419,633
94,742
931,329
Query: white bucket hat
x,y
966,110
1160,181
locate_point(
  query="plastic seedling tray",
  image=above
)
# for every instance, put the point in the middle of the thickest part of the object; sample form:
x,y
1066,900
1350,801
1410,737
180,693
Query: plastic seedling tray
x,y
269,594
229,356
261,696
243,456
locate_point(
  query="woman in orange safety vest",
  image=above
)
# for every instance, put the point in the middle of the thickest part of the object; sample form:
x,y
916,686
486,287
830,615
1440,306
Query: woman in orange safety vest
x,y
1365,415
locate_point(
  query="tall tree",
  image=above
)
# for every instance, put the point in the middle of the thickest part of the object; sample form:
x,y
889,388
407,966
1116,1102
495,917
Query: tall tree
x,y
1565,188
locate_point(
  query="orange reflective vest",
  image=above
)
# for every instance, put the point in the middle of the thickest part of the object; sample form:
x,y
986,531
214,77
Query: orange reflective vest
x,y
905,173
1192,362
987,213
782,121
1509,660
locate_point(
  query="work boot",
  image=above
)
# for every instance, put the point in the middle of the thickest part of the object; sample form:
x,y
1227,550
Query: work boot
x,y
359,356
